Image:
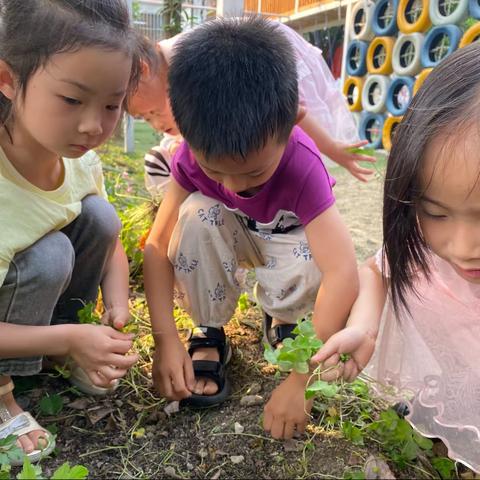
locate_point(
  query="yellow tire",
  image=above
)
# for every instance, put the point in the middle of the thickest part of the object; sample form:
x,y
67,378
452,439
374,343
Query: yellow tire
x,y
352,91
388,130
413,16
470,36
379,56
420,79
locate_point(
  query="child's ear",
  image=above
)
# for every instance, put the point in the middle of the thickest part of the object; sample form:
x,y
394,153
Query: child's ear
x,y
144,68
301,113
7,81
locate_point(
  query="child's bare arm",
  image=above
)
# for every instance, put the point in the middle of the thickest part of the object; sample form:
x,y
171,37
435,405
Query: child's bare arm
x,y
333,252
338,151
96,348
359,336
115,289
172,368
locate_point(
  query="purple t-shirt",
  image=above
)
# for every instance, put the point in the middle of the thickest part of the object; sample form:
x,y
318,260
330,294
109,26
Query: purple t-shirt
x,y
299,190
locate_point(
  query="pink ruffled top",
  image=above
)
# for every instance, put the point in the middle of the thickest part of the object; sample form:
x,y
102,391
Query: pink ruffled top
x,y
432,359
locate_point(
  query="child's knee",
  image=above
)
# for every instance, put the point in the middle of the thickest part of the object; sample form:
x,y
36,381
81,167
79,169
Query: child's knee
x,y
49,262
199,213
101,219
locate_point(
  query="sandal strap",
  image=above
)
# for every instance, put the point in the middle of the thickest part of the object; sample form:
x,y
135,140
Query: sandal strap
x,y
7,388
278,333
213,338
210,369
20,425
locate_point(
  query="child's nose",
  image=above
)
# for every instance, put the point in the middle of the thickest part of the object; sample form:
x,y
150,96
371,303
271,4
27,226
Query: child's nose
x,y
465,242
91,124
233,183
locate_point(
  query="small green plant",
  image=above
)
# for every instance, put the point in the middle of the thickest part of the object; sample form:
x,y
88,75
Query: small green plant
x,y
88,314
363,150
9,450
65,472
295,353
51,405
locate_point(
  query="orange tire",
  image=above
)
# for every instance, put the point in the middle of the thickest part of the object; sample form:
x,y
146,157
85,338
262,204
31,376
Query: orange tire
x,y
470,36
420,79
352,91
413,16
379,56
388,130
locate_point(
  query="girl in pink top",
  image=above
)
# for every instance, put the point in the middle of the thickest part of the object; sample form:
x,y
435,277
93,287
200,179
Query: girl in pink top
x,y
428,283
327,121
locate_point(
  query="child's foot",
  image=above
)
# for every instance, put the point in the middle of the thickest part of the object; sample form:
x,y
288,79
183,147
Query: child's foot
x,y
205,386
210,352
34,440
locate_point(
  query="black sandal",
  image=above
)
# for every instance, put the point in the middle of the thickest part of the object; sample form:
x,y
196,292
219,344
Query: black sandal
x,y
214,370
277,334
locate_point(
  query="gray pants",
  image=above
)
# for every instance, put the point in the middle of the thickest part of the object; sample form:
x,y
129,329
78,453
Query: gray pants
x,y
51,280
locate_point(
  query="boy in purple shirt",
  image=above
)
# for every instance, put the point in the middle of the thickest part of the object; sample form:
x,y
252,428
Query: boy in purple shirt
x,y
248,189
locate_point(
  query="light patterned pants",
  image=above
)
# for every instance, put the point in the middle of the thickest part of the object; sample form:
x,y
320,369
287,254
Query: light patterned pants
x,y
210,242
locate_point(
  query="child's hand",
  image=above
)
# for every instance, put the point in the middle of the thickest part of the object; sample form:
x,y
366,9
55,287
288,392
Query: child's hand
x,y
116,317
287,410
351,340
172,370
349,160
102,352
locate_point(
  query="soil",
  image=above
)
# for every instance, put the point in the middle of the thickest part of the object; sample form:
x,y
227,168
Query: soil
x,y
129,435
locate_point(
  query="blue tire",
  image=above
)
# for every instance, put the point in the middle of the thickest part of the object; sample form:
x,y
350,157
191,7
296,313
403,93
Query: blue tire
x,y
356,58
474,8
384,22
399,95
433,52
371,129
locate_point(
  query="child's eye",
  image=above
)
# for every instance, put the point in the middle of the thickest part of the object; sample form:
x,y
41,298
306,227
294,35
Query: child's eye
x,y
435,216
113,107
71,101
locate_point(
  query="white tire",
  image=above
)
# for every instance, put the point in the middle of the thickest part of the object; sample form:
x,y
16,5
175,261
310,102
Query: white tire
x,y
407,51
362,17
448,12
374,93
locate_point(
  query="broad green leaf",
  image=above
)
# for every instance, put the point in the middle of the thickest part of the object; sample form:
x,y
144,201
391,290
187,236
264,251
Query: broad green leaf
x,y
270,354
410,450
423,442
285,366
301,367
77,472
444,466
352,433
324,388
28,471
51,405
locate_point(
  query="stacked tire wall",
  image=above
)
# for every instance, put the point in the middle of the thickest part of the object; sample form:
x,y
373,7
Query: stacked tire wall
x,y
394,45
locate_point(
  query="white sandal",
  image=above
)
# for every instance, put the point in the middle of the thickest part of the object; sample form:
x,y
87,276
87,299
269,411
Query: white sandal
x,y
79,379
22,424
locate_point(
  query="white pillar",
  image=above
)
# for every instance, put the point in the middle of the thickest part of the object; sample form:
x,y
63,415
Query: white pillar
x,y
230,8
128,130
346,40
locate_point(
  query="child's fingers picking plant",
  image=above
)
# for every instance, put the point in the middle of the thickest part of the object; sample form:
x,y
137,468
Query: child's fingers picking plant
x,y
355,342
117,317
98,348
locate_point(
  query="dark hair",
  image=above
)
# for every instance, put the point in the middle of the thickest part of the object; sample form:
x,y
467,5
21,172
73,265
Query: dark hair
x,y
31,31
233,85
445,106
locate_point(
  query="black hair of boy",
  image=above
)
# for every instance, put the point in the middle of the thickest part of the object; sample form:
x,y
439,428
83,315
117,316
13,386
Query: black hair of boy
x,y
233,86
446,106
